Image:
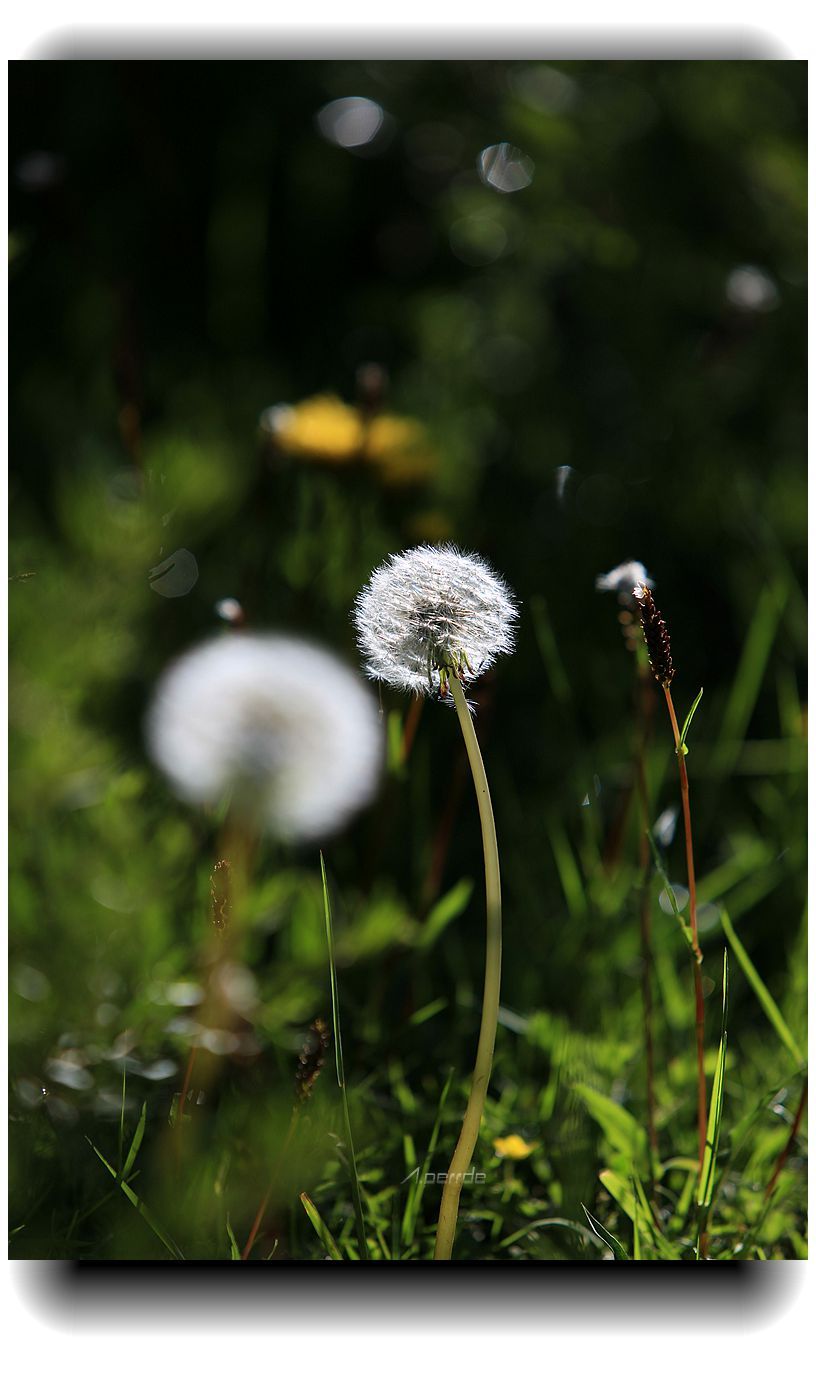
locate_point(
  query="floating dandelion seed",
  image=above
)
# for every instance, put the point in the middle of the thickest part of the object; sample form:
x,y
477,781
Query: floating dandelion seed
x,y
277,726
430,613
622,579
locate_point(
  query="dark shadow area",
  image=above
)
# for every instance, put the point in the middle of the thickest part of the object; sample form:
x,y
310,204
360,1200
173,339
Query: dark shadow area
x,y
745,1298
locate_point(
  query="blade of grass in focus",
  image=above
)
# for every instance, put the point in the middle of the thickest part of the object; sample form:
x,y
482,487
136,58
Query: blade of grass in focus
x,y
320,1227
616,1247
341,1076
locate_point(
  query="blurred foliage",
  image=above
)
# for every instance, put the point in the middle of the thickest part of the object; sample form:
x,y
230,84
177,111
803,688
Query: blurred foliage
x,y
588,346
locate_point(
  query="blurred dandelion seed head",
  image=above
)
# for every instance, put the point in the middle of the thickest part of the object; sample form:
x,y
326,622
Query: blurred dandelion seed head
x,y
280,728
433,609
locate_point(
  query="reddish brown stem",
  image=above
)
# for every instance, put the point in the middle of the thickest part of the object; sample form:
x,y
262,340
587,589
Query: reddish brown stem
x,y
411,724
702,1102
260,1214
185,1088
783,1157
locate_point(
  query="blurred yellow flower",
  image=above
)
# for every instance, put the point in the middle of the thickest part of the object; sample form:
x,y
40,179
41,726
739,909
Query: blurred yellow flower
x,y
321,428
326,429
514,1148
399,448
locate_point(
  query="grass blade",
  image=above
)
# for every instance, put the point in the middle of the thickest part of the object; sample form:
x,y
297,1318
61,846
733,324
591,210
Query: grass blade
x,y
235,1250
135,1144
706,1188
619,1126
341,1076
550,655
320,1227
122,1121
687,724
584,1232
140,1207
763,996
750,672
418,1186
616,1247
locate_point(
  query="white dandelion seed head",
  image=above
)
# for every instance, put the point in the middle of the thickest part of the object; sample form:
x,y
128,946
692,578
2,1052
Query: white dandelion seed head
x,y
622,580
429,608
282,729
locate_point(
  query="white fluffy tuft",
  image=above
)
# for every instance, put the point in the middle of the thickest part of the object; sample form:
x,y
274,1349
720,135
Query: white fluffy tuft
x,y
280,727
622,579
433,607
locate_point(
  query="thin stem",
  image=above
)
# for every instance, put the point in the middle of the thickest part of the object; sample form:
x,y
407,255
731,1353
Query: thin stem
x,y
340,1067
463,1154
785,1153
261,1213
702,1114
411,724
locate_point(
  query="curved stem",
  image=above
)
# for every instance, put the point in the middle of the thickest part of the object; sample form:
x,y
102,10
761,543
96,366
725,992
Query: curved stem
x,y
463,1154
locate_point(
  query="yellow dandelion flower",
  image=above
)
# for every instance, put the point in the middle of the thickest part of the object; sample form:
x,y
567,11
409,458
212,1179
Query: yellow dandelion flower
x,y
320,428
514,1148
325,429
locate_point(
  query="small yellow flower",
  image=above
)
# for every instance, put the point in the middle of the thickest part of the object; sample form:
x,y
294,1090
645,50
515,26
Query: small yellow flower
x,y
514,1148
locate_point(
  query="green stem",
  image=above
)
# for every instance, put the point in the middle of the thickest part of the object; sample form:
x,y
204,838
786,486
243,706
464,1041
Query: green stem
x,y
340,1068
463,1154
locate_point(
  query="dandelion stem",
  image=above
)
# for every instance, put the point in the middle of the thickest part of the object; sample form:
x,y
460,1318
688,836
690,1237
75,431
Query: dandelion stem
x,y
463,1154
702,1115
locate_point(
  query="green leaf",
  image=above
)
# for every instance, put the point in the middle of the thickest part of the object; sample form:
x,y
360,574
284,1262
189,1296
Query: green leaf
x,y
706,1188
449,907
140,1207
633,1200
235,1253
616,1247
750,672
135,1143
542,1222
618,1125
764,997
320,1227
687,725
425,1013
